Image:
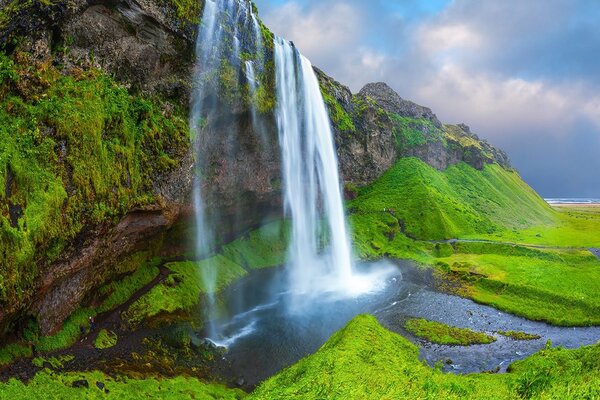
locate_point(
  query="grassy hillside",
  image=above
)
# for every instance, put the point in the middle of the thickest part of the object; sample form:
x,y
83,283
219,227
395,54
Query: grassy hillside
x,y
50,385
557,282
365,361
457,202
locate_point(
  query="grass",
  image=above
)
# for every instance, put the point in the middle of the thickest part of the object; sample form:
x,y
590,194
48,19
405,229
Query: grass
x,y
117,292
51,385
261,248
182,289
517,335
13,351
437,332
454,203
105,339
555,286
574,227
365,361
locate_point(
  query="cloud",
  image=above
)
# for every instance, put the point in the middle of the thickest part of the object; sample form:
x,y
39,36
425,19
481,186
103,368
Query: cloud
x,y
320,31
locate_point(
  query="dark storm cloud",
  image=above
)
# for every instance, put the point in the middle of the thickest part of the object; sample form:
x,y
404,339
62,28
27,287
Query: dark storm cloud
x,y
523,74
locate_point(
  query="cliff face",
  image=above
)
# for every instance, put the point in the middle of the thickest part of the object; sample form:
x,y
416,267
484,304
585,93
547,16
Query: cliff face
x,y
95,156
376,127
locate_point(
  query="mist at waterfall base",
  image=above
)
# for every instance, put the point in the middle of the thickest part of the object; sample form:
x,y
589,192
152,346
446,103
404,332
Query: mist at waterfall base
x,y
319,263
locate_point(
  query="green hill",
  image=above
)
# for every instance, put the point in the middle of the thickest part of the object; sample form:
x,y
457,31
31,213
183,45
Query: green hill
x,y
459,201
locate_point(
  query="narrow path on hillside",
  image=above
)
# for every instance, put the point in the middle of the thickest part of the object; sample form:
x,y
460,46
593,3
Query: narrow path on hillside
x,y
402,225
594,251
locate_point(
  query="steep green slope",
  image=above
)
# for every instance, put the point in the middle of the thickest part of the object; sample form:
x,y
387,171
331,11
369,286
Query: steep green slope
x,y
365,361
459,201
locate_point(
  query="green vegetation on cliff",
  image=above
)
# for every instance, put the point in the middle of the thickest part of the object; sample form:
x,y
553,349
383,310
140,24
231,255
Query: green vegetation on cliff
x,y
365,361
437,332
76,151
105,339
185,287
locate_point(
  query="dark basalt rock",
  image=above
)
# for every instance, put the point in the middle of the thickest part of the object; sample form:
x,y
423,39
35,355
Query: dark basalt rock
x,y
82,383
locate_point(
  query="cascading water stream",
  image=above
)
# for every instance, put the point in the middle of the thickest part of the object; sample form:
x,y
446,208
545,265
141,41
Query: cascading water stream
x,y
212,49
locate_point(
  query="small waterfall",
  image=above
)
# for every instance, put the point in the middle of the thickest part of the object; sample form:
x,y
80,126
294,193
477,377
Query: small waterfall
x,y
311,179
216,44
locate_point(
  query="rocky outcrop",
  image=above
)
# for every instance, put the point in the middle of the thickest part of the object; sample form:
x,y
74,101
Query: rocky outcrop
x,y
387,127
385,97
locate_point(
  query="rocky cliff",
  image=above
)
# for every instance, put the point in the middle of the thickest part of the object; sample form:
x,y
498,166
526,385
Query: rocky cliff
x,y
376,127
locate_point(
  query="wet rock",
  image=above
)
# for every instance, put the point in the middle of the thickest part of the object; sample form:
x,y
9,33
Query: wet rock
x,y
82,383
100,385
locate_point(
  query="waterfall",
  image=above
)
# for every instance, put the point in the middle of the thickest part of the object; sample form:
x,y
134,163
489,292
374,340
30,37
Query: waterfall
x,y
319,253
311,179
212,49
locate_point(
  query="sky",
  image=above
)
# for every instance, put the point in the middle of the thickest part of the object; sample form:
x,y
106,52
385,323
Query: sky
x,y
523,74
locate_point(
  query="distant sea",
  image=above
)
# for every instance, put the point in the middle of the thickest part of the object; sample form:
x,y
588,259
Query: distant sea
x,y
573,201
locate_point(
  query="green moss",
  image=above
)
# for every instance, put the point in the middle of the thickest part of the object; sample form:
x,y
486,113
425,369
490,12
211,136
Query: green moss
x,y
261,248
105,339
436,332
182,289
516,335
14,351
116,292
339,117
265,97
51,385
75,151
52,362
187,10
365,361
70,332
413,132
119,291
